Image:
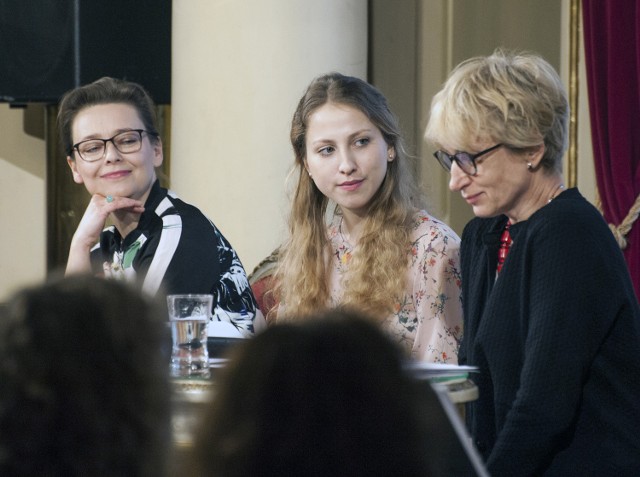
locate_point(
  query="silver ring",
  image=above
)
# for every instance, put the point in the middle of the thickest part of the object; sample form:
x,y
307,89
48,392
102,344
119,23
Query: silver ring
x,y
109,198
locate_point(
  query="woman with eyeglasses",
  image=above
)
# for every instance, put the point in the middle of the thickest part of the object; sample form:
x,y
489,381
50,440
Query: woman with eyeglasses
x,y
550,314
108,131
359,232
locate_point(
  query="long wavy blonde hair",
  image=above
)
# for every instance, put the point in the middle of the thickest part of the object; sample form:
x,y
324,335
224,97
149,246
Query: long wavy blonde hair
x,y
376,276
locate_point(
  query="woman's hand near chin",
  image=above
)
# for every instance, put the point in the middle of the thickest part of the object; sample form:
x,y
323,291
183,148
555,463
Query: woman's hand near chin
x,y
91,225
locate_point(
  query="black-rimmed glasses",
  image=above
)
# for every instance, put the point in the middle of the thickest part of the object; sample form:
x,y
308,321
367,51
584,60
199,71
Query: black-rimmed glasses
x,y
126,142
466,161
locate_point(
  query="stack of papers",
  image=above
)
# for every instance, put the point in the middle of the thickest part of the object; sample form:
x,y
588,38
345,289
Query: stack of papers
x,y
438,372
217,362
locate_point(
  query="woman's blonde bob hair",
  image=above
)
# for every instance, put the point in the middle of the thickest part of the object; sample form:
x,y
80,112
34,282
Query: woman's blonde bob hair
x,y
516,99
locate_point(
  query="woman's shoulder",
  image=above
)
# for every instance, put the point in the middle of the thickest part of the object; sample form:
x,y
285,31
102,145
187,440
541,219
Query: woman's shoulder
x,y
569,211
423,224
174,204
195,227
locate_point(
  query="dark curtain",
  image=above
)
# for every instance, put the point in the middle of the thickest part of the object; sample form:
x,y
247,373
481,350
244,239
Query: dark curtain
x,y
612,50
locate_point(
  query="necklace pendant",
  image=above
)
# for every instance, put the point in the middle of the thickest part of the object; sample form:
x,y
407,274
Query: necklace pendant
x,y
558,189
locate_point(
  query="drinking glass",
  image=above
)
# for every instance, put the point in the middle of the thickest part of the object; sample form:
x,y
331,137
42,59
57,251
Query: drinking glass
x,y
188,317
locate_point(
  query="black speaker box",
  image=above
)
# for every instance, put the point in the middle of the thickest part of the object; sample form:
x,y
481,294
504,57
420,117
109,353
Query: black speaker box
x,y
48,47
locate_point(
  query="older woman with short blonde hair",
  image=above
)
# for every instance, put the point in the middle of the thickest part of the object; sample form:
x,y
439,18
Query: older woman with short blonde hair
x,y
550,315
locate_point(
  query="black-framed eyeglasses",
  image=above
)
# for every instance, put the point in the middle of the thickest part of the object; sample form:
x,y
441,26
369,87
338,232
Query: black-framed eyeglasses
x,y
126,142
466,161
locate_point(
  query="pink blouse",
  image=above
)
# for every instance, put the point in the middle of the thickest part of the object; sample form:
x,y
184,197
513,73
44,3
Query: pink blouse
x,y
428,318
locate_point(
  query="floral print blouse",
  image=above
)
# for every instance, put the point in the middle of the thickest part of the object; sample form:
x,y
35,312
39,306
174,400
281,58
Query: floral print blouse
x,y
428,319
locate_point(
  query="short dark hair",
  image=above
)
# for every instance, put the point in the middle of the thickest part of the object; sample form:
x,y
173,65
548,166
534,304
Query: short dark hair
x,y
104,91
84,384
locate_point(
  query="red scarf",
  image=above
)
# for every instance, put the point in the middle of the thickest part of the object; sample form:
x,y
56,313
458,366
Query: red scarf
x,y
505,244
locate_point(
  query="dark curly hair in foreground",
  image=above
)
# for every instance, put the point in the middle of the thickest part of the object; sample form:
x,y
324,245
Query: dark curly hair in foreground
x,y
320,397
83,382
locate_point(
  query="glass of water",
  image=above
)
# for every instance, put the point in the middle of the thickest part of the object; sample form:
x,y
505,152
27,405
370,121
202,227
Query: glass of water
x,y
188,317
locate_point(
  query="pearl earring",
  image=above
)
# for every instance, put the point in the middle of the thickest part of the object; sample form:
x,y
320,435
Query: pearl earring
x,y
529,166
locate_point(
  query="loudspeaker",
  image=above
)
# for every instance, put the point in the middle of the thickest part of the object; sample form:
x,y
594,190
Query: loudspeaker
x,y
48,47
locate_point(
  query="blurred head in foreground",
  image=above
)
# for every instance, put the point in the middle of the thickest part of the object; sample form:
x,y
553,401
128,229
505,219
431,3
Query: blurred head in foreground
x,y
83,381
325,396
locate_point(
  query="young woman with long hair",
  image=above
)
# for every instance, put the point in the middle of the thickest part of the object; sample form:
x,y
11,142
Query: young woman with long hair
x,y
359,234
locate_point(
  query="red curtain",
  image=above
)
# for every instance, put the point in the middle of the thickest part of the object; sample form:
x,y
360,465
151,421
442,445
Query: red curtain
x,y
612,50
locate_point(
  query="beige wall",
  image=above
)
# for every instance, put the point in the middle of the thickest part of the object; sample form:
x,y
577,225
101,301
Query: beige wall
x,y
22,204
239,68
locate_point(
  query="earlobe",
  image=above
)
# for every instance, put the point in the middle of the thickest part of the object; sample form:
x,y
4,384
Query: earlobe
x,y
391,153
534,156
158,155
77,178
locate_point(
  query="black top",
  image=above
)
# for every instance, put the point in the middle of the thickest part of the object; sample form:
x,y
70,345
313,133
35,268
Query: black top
x,y
557,341
177,249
